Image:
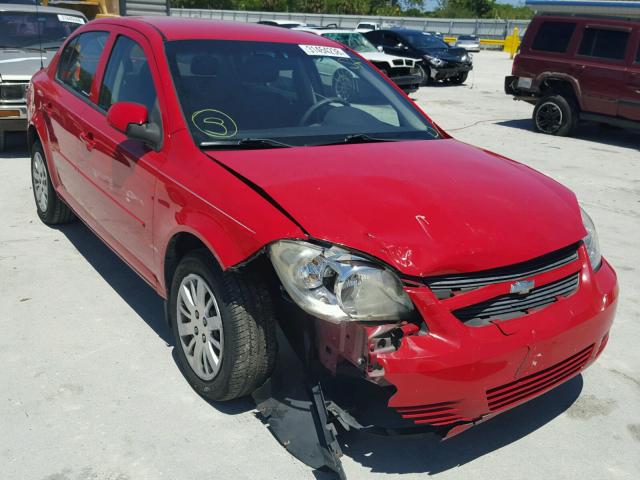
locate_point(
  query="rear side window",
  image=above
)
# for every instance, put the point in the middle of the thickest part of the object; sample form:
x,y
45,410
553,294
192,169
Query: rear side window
x,y
638,55
609,44
79,61
553,37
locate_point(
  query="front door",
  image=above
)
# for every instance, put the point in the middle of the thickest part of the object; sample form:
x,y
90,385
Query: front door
x,y
123,170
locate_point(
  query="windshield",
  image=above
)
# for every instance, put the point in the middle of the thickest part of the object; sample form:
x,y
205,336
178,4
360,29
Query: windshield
x,y
293,95
355,41
20,29
466,37
426,41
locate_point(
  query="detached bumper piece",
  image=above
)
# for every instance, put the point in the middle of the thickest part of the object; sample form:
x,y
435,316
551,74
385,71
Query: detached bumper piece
x,y
294,407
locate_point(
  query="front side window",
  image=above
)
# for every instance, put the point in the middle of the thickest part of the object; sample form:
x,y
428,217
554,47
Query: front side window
x,y
127,77
295,94
553,37
79,61
601,43
41,30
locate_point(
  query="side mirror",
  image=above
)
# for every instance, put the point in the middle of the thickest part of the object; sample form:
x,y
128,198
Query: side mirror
x,y
380,48
132,119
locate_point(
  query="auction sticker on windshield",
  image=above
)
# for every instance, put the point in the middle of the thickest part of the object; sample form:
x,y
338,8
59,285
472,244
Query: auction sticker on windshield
x,y
71,19
323,51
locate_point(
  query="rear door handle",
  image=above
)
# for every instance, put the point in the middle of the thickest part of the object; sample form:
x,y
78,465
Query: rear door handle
x,y
88,140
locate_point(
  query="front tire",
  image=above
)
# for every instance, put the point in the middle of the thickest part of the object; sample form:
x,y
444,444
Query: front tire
x,y
51,209
555,115
459,79
223,327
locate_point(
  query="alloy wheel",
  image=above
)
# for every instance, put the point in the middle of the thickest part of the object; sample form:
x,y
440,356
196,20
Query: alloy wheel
x,y
549,118
200,327
40,182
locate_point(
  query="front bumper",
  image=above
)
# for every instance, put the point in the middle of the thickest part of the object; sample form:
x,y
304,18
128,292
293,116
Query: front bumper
x,y
448,71
13,117
457,375
409,83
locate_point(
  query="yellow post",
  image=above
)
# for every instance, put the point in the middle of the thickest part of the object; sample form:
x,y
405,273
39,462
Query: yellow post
x,y
515,42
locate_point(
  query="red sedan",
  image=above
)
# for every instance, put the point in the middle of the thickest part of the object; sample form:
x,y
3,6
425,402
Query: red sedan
x,y
321,244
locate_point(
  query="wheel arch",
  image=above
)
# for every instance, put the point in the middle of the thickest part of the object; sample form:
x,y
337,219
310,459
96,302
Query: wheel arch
x,y
561,84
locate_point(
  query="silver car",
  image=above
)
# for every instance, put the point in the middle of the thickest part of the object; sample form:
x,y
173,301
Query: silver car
x,y
29,37
470,43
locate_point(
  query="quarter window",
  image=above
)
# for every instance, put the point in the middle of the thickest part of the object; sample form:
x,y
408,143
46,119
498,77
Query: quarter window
x,y
610,44
553,37
79,61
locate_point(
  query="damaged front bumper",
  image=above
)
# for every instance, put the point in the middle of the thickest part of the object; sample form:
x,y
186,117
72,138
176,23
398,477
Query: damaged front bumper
x,y
437,374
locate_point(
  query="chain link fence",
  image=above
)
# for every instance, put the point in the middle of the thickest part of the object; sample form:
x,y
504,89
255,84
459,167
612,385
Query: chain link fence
x,y
483,28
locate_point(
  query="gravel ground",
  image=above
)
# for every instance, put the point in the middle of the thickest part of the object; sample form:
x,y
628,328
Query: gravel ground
x,y
89,389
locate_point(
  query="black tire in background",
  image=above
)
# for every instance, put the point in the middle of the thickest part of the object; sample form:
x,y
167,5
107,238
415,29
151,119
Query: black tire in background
x,y
459,79
51,209
247,335
555,115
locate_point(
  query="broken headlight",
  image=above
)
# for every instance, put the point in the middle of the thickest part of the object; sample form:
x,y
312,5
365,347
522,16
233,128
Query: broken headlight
x,y
336,285
591,241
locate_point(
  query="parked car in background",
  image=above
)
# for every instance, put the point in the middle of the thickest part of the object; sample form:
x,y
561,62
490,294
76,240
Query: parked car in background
x,y
28,39
438,60
364,27
345,262
470,43
578,68
402,71
282,23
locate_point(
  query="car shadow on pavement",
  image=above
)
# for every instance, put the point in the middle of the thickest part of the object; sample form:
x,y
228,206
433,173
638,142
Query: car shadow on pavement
x,y
591,132
146,303
430,455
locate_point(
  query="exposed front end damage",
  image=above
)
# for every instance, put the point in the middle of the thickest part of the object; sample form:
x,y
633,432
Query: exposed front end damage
x,y
443,369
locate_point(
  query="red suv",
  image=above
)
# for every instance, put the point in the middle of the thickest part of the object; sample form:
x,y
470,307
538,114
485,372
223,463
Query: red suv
x,y
307,245
574,68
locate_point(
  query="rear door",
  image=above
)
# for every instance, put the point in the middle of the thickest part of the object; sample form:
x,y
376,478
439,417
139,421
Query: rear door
x,y
65,104
629,106
600,67
123,171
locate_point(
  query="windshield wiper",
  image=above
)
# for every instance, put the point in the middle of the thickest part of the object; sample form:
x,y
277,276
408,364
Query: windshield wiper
x,y
359,138
247,143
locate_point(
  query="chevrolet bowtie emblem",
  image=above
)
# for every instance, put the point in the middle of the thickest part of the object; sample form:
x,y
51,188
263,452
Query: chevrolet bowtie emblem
x,y
522,287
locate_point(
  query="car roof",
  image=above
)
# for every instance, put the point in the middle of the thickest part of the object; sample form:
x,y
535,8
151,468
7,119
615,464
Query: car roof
x,y
16,7
176,28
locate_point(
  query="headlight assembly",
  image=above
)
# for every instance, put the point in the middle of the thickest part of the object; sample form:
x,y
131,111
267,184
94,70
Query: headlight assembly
x,y
591,241
436,62
336,285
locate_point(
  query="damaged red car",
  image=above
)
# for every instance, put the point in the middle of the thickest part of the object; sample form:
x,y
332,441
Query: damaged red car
x,y
321,244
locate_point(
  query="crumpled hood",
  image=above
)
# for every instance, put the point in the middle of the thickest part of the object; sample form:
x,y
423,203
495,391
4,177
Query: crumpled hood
x,y
424,207
18,64
453,54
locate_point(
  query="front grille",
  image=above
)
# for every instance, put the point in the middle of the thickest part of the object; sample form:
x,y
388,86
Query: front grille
x,y
436,414
400,71
12,92
398,62
535,384
514,305
448,285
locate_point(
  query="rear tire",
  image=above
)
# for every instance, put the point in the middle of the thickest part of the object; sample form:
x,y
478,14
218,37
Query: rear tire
x,y
51,209
225,338
555,115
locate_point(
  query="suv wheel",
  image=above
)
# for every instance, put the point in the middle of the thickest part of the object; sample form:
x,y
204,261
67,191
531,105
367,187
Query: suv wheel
x,y
223,328
51,209
555,115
